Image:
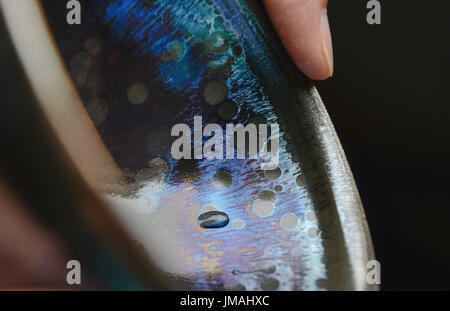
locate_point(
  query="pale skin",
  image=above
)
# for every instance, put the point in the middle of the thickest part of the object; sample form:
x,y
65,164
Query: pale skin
x,y
302,26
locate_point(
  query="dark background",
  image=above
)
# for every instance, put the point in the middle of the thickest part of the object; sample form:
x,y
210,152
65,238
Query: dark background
x,y
389,103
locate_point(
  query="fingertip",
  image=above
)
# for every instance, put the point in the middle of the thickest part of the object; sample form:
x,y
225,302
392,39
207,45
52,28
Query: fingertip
x,y
327,45
318,63
304,29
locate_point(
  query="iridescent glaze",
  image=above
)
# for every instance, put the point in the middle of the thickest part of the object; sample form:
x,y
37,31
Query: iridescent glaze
x,y
142,67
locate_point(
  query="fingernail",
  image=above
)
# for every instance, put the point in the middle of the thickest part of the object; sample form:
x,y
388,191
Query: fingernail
x,y
327,46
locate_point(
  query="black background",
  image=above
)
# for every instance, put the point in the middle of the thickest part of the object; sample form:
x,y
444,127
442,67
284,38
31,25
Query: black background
x,y
389,102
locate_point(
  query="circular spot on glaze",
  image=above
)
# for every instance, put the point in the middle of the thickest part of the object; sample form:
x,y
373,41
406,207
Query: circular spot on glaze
x,y
301,181
263,208
222,179
270,284
227,110
218,21
93,46
273,174
78,68
215,92
176,50
289,221
98,110
313,232
236,287
217,43
278,188
237,50
311,216
238,224
269,269
296,251
268,195
137,94
79,76
81,60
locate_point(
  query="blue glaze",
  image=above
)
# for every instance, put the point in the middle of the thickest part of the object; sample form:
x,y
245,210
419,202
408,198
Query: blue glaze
x,y
153,36
254,79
